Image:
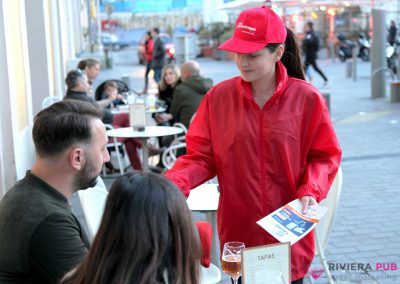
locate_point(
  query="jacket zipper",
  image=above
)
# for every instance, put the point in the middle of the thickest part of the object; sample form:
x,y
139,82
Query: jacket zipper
x,y
262,179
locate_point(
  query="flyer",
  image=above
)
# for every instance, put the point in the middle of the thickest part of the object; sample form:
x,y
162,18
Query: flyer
x,y
289,224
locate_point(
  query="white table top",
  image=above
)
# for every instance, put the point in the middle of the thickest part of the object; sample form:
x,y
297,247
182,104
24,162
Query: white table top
x,y
150,131
204,198
125,109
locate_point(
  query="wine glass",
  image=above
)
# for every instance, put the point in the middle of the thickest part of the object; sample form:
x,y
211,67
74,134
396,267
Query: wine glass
x,y
231,260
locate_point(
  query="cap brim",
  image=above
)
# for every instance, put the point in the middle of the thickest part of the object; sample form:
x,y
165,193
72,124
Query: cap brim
x,y
241,46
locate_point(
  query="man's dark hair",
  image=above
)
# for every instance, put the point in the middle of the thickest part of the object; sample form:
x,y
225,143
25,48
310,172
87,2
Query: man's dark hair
x,y
73,77
156,30
61,125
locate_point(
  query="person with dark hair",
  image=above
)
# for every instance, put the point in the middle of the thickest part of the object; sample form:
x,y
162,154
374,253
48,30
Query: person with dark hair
x,y
91,68
40,237
266,134
392,33
158,60
310,49
146,235
148,55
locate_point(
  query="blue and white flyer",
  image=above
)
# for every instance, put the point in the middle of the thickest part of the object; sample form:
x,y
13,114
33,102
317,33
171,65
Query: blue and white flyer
x,y
289,224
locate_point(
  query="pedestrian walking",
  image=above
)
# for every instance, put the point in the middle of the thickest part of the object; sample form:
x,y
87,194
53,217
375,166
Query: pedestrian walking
x,y
158,60
310,49
148,54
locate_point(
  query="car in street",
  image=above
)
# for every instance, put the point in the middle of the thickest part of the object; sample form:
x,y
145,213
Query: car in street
x,y
169,49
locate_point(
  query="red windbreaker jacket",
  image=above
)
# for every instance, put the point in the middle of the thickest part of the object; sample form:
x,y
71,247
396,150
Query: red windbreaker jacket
x,y
264,158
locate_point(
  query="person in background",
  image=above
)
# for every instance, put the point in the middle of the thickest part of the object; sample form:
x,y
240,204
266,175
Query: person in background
x,y
310,49
188,94
148,54
392,36
91,68
40,237
266,134
146,235
158,60
77,90
170,78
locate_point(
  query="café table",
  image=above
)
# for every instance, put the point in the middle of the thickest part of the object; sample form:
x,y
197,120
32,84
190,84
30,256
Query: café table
x,y
149,132
205,198
125,109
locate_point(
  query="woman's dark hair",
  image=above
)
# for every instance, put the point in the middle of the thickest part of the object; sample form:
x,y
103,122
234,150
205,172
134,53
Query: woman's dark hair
x,y
62,124
146,236
291,57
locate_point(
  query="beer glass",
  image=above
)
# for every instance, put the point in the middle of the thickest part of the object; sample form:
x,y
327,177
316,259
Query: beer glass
x,y
231,260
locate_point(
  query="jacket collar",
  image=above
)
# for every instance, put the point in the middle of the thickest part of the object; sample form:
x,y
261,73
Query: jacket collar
x,y
281,84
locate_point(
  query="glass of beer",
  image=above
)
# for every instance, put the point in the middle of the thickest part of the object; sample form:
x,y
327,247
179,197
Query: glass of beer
x,y
231,260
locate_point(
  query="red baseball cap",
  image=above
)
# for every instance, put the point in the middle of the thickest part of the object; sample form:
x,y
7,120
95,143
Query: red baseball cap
x,y
254,29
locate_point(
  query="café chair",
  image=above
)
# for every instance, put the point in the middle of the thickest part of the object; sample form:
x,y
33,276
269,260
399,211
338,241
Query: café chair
x,y
324,227
169,156
209,273
49,100
119,148
93,201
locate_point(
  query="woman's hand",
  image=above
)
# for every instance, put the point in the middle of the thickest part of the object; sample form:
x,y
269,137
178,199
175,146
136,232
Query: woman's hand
x,y
306,201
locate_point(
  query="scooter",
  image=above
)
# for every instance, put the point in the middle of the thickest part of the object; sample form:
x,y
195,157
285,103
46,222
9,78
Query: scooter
x,y
391,52
346,47
364,47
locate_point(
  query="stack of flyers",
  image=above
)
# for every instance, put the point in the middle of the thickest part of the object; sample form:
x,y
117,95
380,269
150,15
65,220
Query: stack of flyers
x,y
289,224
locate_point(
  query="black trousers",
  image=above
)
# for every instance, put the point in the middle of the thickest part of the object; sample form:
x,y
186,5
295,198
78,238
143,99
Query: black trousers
x,y
313,63
298,281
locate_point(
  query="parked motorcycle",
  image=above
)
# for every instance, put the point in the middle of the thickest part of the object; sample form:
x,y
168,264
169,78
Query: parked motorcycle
x,y
346,47
392,52
364,47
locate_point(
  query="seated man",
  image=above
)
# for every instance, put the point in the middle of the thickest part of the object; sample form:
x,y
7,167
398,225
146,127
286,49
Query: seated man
x,y
77,88
188,94
40,237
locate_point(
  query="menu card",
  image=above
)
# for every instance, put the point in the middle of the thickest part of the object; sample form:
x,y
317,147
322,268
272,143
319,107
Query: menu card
x,y
266,264
137,116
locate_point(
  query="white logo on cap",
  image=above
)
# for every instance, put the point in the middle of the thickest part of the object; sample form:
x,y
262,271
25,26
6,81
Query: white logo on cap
x,y
246,29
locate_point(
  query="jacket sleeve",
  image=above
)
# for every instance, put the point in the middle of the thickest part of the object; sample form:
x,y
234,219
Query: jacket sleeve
x,y
176,103
198,165
324,154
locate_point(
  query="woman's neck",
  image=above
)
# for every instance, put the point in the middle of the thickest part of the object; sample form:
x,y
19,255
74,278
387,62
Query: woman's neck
x,y
263,90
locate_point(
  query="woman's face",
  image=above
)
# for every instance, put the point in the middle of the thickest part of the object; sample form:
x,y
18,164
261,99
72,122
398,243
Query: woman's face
x,y
257,65
93,72
170,77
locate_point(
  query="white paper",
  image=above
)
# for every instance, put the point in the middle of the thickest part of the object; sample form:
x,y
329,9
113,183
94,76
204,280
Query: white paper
x,y
266,264
288,224
137,115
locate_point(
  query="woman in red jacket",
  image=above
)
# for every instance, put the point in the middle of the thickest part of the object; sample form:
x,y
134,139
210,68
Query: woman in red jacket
x,y
148,54
266,134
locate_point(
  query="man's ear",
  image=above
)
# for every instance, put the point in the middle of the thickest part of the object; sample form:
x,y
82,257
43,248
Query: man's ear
x,y
77,158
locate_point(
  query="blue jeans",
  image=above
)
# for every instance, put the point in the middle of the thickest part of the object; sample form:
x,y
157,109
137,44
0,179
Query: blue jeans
x,y
157,74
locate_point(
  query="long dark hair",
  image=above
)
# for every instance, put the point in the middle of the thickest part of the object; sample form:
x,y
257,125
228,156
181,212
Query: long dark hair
x,y
291,57
146,236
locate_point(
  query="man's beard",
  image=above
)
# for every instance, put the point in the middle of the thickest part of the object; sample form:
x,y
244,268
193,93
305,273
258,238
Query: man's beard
x,y
86,177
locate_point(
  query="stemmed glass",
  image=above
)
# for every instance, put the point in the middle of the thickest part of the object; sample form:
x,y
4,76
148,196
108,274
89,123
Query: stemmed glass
x,y
231,260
